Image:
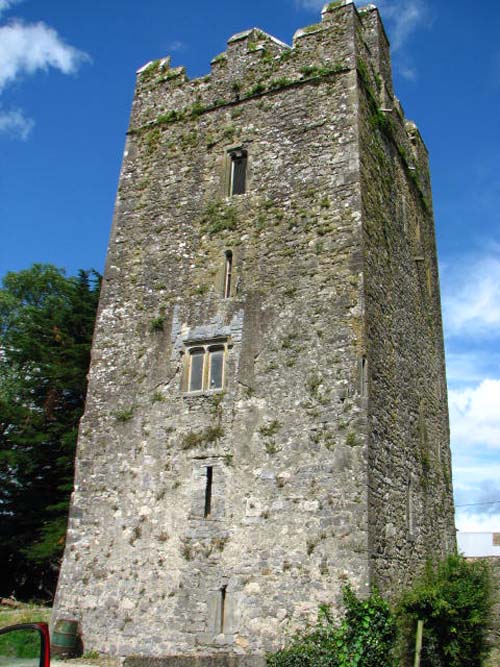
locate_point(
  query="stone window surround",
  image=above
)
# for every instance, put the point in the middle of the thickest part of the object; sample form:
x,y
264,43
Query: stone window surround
x,y
228,274
229,151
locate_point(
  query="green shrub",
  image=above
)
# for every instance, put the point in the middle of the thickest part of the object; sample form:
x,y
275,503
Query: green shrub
x,y
363,638
368,632
453,598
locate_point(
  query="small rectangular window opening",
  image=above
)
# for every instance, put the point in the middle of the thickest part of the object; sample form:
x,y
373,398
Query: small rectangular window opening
x,y
222,607
208,491
205,368
228,268
237,183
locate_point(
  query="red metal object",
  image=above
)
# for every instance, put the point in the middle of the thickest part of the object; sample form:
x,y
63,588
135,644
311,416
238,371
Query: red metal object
x,y
43,629
45,656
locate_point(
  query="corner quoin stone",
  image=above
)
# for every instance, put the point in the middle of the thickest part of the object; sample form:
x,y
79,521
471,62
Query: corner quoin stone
x,y
205,525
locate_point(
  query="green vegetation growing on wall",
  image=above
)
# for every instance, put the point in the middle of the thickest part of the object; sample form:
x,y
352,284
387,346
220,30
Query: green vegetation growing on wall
x,y
380,121
310,73
219,217
157,324
363,637
151,71
198,438
453,598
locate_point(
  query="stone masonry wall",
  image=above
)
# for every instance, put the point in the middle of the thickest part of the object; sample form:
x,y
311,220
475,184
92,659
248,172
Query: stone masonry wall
x,y
411,502
494,629
289,520
307,452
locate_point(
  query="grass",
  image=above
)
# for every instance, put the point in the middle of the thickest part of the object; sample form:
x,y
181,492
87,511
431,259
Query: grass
x,y
23,644
27,613
20,644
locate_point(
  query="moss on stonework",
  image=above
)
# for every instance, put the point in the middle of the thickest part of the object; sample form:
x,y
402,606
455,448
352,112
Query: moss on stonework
x,y
124,415
312,28
171,74
282,82
334,5
170,117
219,217
271,429
150,72
198,438
152,139
259,88
220,59
156,324
256,89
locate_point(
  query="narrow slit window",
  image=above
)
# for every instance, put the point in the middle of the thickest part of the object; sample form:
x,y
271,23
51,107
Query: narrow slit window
x,y
228,269
208,491
410,517
364,377
237,185
222,607
216,368
196,369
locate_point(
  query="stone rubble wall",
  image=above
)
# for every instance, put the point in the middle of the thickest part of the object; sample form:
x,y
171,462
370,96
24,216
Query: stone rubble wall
x,y
411,500
494,633
308,477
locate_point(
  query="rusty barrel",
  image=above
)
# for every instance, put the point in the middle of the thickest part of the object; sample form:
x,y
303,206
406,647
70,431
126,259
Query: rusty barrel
x,y
64,641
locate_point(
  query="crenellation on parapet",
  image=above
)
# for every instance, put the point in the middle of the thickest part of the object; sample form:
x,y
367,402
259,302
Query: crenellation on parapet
x,y
256,35
255,63
163,63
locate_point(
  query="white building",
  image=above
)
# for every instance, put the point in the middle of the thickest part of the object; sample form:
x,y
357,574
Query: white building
x,y
478,544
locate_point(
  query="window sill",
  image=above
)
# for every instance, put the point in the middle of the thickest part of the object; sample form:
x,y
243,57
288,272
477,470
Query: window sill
x,y
204,392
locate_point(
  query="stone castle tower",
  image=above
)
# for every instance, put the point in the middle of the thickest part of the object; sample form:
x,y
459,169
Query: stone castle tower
x,y
266,416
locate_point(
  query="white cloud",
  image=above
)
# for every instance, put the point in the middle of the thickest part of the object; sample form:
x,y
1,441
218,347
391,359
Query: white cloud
x,y
28,48
15,124
475,415
477,523
404,19
471,297
24,50
311,4
407,71
176,45
5,5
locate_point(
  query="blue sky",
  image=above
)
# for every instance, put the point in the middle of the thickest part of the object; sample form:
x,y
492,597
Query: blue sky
x,y
67,72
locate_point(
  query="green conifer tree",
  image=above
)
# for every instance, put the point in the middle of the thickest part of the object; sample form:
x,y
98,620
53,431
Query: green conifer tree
x,y
46,325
